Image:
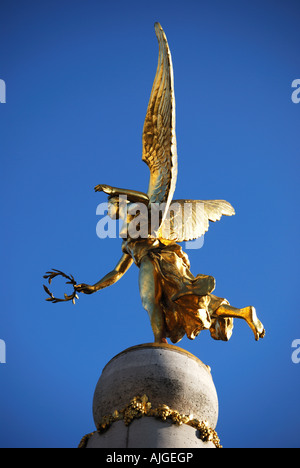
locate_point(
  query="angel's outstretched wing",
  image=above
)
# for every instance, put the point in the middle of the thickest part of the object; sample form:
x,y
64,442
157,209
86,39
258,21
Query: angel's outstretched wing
x,y
159,139
189,219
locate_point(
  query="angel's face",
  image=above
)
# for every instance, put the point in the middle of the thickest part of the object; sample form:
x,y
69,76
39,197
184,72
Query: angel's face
x,y
117,208
113,208
114,211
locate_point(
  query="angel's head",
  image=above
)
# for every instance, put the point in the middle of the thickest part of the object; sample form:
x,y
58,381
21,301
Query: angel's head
x,y
117,207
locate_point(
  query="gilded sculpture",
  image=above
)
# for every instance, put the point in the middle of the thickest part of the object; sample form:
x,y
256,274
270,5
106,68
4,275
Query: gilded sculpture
x,y
178,303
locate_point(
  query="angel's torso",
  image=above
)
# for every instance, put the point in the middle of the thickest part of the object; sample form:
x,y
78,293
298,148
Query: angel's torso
x,y
140,248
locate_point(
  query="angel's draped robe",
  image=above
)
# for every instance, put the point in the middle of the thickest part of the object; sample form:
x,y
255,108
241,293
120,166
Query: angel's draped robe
x,y
187,303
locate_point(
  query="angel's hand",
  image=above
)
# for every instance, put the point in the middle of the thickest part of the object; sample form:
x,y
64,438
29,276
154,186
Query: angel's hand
x,y
85,288
104,188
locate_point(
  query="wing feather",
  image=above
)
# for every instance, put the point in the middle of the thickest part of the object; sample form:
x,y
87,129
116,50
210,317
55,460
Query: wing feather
x,y
189,219
159,138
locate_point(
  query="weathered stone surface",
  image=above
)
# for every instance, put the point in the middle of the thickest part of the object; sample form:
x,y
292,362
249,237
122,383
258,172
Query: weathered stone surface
x,y
167,375
148,433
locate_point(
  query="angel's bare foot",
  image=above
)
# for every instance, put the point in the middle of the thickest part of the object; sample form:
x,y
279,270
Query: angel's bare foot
x,y
160,340
247,313
253,322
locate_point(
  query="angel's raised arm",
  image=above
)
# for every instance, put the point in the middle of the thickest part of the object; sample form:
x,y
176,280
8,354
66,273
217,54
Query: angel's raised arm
x,y
109,279
132,195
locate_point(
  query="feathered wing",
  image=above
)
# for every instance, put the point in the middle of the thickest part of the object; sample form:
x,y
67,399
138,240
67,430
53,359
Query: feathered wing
x,y
189,219
159,138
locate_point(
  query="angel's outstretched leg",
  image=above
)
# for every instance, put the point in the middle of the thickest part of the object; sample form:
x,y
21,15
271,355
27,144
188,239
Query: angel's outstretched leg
x,y
150,291
248,314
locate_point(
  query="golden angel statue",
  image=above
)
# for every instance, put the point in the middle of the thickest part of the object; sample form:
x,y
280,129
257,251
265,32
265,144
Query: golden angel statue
x,y
177,302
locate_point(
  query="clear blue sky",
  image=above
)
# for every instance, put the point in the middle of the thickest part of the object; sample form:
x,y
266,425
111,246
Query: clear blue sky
x,y
79,76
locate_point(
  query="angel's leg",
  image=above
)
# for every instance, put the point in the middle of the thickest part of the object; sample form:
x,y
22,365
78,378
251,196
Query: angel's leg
x,y
247,313
150,291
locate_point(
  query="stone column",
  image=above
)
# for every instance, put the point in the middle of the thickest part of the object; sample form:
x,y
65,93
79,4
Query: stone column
x,y
154,396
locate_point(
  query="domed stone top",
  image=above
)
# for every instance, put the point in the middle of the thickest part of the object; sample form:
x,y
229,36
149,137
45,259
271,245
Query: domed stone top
x,y
167,374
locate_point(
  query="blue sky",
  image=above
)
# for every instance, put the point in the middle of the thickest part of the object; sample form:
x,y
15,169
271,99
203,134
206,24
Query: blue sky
x,y
78,77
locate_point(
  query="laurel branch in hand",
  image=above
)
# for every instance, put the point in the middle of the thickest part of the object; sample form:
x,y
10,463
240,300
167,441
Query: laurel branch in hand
x,y
50,275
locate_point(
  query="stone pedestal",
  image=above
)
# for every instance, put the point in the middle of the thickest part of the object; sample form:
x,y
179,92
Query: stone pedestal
x,y
154,396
